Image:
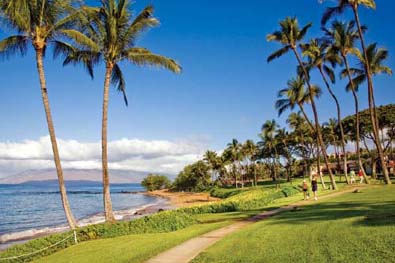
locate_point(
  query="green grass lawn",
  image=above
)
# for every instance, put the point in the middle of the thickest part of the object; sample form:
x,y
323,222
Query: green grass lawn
x,y
353,227
131,248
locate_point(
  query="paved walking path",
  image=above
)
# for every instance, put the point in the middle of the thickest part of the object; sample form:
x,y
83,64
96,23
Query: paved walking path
x,y
188,250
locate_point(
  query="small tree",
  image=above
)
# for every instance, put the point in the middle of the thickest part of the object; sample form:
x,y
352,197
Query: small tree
x,y
155,182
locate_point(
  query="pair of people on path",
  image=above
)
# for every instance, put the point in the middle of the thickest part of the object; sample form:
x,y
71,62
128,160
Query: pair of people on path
x,y
314,188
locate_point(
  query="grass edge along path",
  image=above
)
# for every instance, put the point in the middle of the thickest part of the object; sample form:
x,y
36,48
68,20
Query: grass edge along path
x,y
188,250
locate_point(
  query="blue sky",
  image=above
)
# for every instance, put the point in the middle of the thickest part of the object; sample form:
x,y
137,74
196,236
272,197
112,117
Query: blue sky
x,y
226,90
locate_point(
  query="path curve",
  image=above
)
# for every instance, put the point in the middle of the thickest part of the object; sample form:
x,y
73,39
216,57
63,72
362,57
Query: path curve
x,y
188,250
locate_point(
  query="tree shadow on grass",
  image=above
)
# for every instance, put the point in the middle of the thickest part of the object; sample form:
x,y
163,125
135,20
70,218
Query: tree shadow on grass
x,y
367,214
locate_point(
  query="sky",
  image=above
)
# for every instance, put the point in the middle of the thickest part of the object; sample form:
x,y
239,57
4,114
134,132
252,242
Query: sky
x,y
226,89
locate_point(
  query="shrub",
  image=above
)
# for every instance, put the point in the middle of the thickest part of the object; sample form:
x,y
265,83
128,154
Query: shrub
x,y
166,221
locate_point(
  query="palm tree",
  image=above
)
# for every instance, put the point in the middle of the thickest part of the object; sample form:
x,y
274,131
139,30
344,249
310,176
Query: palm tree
x,y
109,36
234,154
249,150
299,126
317,58
211,158
375,58
39,23
283,137
296,94
289,36
268,135
354,5
341,38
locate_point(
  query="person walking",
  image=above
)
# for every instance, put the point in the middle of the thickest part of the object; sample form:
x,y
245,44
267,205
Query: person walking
x,y
314,187
352,177
360,174
305,188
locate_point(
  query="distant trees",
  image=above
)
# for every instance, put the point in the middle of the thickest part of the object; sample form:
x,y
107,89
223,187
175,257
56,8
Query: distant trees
x,y
155,182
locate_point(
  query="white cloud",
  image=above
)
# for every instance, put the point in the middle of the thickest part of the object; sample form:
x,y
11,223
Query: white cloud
x,y
125,154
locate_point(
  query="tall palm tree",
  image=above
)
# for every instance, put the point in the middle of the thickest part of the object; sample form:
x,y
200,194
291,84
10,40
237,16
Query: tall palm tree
x,y
295,94
211,158
289,36
375,58
249,150
268,135
342,5
235,156
341,37
298,124
317,54
109,36
39,23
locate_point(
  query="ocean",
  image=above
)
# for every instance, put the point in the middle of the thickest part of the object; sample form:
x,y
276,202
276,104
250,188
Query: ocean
x,y
27,209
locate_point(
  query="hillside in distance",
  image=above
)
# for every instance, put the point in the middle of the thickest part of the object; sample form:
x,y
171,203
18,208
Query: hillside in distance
x,y
95,175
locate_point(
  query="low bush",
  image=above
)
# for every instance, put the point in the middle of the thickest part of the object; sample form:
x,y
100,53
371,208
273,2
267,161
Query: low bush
x,y
166,221
223,192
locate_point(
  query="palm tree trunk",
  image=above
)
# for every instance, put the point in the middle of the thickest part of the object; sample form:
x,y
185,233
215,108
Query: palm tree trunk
x,y
339,119
357,121
255,181
317,142
317,123
106,177
372,106
51,129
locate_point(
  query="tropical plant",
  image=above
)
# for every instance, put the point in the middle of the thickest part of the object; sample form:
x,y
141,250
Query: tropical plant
x,y
289,36
342,5
249,150
376,57
234,154
109,36
40,23
318,57
268,133
341,38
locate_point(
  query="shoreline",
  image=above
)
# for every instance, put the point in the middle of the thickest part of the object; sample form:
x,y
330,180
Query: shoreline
x,y
9,239
167,200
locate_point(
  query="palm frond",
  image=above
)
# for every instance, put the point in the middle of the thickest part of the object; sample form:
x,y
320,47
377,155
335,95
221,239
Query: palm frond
x,y
118,80
303,31
12,45
80,39
278,53
141,56
330,73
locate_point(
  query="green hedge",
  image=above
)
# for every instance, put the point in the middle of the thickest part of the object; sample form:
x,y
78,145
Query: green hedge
x,y
166,221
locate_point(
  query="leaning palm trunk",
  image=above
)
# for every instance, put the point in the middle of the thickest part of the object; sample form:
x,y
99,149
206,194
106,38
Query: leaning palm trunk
x,y
51,129
317,124
106,177
318,146
357,121
372,106
339,119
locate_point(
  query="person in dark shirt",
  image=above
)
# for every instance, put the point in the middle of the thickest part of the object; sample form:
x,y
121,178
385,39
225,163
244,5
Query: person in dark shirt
x,y
314,187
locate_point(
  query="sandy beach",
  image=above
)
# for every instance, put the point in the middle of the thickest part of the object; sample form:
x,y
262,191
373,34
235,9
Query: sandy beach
x,y
183,199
